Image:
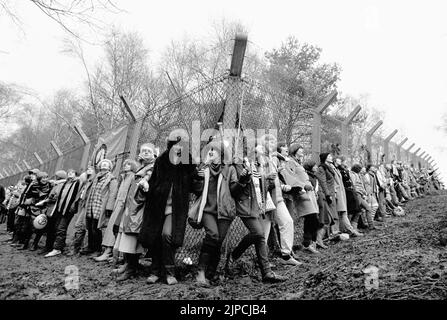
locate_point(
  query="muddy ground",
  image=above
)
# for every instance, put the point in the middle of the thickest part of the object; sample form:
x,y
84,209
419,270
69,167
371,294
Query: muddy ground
x,y
410,254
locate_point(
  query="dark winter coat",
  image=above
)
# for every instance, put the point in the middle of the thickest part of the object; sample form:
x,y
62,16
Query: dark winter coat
x,y
351,196
166,175
225,203
136,201
326,179
244,194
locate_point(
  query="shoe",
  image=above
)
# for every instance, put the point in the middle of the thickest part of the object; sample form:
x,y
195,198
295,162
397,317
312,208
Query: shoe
x,y
311,249
171,280
104,257
86,252
43,251
228,262
271,277
73,253
321,245
24,247
120,270
128,274
357,234
53,253
289,260
152,279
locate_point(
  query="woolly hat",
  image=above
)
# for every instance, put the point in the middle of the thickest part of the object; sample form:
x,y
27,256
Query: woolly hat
x,y
61,174
308,165
41,174
34,171
323,157
223,146
294,147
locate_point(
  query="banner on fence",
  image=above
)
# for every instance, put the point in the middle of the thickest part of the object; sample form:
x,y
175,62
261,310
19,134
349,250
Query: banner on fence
x,y
110,146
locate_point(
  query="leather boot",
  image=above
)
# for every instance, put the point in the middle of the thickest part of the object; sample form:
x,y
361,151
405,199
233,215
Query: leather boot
x,y
319,242
131,270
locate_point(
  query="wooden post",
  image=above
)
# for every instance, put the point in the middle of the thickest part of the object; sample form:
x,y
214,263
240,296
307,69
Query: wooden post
x,y
137,125
6,172
18,167
415,160
399,149
408,155
60,157
38,158
386,145
86,142
1,176
344,130
27,166
316,126
369,135
234,89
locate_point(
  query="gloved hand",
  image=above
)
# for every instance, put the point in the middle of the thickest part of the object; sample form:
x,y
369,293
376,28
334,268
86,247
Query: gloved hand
x,y
329,199
308,187
244,177
108,213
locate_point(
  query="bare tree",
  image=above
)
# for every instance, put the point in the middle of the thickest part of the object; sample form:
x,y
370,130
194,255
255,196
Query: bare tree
x,y
69,15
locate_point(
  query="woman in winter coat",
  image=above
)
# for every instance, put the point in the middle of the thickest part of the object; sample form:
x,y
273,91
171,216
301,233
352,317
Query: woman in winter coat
x,y
249,189
165,214
303,195
215,206
80,229
100,203
312,172
369,179
65,209
342,178
132,217
269,165
125,180
50,203
326,176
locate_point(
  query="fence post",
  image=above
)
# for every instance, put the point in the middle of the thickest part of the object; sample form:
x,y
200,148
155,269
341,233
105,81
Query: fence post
x,y
86,142
414,157
1,176
234,88
421,159
60,157
344,130
38,159
369,135
133,148
18,167
27,166
316,125
386,145
399,149
6,172
408,154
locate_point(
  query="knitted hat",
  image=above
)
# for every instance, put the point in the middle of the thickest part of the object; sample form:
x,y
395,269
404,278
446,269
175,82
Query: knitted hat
x,y
323,157
61,174
41,174
34,171
294,147
308,165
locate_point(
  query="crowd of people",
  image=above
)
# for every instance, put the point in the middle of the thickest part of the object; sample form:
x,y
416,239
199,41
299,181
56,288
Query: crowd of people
x,y
145,210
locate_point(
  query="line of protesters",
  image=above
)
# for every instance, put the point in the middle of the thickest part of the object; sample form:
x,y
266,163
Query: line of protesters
x,y
147,207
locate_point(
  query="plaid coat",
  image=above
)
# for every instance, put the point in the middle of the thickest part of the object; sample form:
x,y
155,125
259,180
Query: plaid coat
x,y
101,197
